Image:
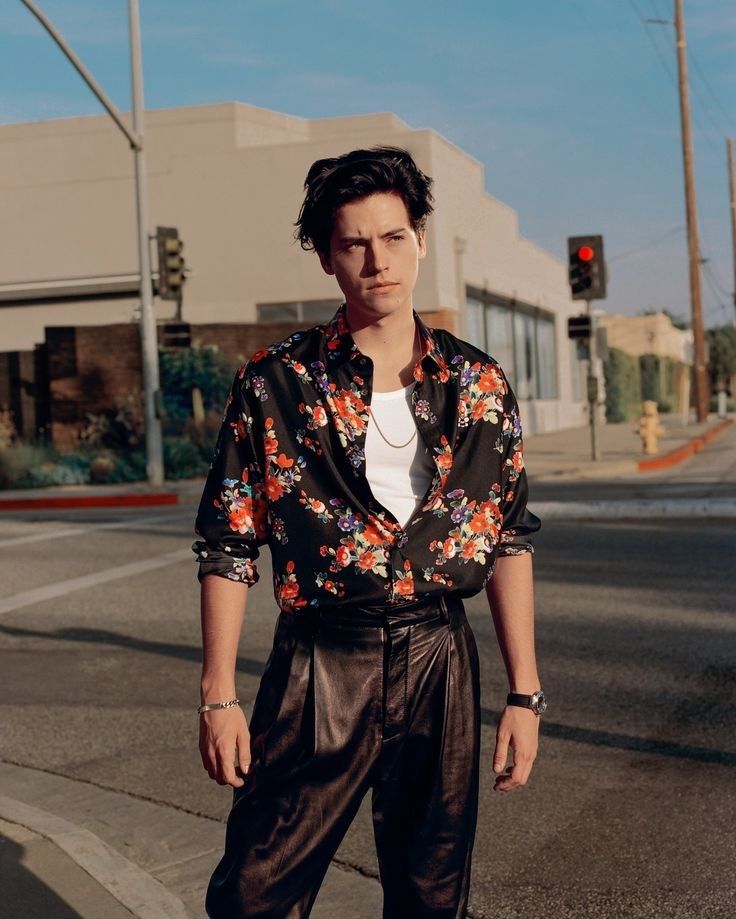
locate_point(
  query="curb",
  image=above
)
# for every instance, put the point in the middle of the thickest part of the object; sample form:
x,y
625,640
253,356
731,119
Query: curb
x,y
136,890
129,500
684,452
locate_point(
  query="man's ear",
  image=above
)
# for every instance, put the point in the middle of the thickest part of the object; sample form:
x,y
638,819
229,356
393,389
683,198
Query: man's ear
x,y
326,262
422,243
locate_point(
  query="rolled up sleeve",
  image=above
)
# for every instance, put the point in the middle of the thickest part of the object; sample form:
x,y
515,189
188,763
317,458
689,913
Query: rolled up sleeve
x,y
232,515
519,523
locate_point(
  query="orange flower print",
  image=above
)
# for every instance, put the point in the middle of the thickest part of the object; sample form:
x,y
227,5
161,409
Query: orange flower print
x,y
269,438
240,515
402,585
343,556
482,389
373,534
366,560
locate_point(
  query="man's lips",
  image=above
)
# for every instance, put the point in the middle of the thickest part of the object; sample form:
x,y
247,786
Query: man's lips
x,y
387,284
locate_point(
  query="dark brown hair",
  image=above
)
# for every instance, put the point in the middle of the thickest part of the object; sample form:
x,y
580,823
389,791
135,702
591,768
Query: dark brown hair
x,y
334,181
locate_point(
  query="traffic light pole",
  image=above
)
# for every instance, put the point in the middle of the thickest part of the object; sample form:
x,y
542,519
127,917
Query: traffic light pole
x,y
592,383
149,343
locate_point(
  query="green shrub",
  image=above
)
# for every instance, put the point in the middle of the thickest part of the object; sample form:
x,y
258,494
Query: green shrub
x,y
29,466
623,393
182,370
183,460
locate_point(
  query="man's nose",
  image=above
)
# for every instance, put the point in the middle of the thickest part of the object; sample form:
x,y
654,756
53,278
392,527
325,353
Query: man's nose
x,y
377,257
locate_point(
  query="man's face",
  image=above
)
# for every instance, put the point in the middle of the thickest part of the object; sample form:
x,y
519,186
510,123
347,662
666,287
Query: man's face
x,y
372,244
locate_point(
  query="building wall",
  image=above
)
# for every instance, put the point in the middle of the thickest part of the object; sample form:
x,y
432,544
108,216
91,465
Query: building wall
x,y
655,334
230,178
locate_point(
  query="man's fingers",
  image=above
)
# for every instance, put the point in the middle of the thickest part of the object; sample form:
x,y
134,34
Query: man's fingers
x,y
517,774
244,752
501,752
226,768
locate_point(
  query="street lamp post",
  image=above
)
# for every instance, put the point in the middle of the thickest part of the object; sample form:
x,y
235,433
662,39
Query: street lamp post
x,y
149,344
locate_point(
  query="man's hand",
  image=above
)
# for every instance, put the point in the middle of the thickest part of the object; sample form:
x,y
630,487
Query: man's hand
x,y
221,732
518,728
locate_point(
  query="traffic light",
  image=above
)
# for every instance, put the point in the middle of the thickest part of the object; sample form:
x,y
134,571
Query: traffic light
x,y
170,263
176,335
579,326
587,270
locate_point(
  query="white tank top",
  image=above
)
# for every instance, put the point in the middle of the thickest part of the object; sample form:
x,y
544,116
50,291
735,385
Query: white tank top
x,y
399,478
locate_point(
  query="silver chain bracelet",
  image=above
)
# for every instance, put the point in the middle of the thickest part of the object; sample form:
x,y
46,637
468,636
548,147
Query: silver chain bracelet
x,y
210,706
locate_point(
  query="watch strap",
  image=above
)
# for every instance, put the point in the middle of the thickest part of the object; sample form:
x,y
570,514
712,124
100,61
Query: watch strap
x,y
517,698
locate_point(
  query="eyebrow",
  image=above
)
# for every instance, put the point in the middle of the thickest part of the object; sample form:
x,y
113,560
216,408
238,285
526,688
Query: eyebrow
x,y
350,239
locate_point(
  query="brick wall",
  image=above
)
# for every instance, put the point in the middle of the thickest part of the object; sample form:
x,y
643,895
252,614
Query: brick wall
x,y
88,367
18,390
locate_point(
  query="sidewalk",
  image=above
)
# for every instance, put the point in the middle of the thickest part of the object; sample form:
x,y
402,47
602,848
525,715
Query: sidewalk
x,y
72,849
566,454
553,458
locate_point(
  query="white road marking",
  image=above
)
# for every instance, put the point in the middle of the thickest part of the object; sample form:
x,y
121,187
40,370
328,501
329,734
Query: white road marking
x,y
640,509
62,588
127,524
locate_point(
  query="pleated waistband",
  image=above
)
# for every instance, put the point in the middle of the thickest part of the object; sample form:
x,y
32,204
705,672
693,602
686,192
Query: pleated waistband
x,y
442,607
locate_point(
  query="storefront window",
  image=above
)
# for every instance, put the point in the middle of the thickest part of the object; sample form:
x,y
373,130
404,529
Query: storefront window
x,y
546,352
499,336
521,338
474,322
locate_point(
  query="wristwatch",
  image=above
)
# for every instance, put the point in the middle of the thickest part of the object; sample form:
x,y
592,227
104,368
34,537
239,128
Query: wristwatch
x,y
537,702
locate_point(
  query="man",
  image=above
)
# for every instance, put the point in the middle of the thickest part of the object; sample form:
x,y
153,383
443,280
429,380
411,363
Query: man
x,y
381,461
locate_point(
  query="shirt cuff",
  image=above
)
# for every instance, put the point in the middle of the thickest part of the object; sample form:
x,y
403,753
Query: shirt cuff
x,y
224,564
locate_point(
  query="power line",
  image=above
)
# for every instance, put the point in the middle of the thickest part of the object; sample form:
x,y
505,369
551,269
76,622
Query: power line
x,y
647,245
728,116
673,79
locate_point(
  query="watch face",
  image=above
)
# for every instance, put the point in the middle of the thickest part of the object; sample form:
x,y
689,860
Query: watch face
x,y
539,702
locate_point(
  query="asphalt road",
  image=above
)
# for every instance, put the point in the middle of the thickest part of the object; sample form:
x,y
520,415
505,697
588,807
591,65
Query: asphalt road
x,y
632,802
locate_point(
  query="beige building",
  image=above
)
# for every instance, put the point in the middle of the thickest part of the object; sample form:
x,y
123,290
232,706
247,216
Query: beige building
x,y
652,334
230,178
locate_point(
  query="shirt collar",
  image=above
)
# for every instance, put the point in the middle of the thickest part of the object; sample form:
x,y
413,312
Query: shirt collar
x,y
339,344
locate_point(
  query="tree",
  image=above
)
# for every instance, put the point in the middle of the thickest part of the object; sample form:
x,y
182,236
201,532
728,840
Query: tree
x,y
722,351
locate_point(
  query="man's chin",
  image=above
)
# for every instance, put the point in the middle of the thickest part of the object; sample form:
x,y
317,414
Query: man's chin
x,y
378,304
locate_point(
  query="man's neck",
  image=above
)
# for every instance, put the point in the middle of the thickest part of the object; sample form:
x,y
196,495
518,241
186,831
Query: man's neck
x,y
392,342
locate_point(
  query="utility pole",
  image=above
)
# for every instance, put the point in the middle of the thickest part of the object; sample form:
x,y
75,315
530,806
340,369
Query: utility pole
x,y
702,386
592,382
732,201
149,344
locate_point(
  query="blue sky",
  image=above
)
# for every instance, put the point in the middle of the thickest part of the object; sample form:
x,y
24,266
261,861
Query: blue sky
x,y
569,104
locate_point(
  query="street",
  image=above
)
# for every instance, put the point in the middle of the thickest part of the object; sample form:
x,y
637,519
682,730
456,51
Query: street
x,y
631,804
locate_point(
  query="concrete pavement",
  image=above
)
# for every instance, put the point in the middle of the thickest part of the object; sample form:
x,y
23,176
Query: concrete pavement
x,y
71,848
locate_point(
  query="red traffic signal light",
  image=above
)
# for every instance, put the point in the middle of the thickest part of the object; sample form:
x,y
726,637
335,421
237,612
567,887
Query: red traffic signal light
x,y
587,270
586,253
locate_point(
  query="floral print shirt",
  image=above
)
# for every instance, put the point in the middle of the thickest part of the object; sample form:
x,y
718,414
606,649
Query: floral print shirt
x,y
289,472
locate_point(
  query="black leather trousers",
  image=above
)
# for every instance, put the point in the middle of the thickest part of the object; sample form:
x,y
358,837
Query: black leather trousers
x,y
366,697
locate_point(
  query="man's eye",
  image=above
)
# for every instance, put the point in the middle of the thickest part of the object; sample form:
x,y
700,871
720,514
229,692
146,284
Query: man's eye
x,y
397,237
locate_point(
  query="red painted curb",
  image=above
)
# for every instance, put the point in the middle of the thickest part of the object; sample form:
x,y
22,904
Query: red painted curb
x,y
683,452
143,500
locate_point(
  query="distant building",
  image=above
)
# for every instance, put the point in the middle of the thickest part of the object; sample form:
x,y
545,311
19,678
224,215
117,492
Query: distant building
x,y
664,356
652,334
230,177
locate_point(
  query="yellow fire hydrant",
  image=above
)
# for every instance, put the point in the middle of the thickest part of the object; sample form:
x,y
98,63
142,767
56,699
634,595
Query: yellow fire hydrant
x,y
650,429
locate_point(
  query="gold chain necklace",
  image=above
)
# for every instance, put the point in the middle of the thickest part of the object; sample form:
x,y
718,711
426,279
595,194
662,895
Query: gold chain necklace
x,y
375,421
